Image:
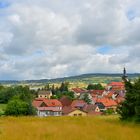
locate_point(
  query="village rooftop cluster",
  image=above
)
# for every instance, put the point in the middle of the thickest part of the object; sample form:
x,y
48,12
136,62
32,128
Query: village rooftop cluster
x,y
102,101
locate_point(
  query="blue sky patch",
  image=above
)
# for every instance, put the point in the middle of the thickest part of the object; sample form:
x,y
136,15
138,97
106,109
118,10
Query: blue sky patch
x,y
4,4
104,49
131,14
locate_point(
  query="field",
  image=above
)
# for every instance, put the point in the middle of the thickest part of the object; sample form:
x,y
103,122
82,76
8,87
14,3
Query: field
x,y
67,128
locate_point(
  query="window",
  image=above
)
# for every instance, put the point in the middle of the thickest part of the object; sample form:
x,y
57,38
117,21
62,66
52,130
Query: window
x,y
80,114
75,114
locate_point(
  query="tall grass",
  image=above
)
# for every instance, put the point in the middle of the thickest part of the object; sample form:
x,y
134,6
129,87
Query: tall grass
x,y
67,128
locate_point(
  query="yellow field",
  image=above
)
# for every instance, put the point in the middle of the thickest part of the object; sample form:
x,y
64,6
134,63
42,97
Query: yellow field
x,y
67,128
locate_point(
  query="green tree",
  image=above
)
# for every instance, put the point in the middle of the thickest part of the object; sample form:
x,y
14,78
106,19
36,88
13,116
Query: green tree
x,y
130,108
16,107
87,99
95,87
63,87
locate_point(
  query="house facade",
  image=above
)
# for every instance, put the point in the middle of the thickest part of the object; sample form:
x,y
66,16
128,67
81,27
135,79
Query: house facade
x,y
44,94
47,107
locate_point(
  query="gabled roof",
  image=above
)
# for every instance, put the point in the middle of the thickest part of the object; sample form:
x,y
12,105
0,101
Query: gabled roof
x,y
107,102
49,102
37,103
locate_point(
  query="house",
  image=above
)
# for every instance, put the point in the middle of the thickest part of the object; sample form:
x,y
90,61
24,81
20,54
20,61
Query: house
x,y
108,103
92,109
44,94
69,111
47,107
100,106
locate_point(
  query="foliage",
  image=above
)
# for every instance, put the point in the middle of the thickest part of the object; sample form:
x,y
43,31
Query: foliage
x,y
130,108
6,93
87,99
64,87
109,111
95,87
17,107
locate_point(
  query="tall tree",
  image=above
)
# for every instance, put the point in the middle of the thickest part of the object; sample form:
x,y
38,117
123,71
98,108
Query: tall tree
x,y
130,108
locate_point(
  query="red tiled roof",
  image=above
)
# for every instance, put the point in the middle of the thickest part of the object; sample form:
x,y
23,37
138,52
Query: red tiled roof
x,y
49,102
107,102
36,103
109,95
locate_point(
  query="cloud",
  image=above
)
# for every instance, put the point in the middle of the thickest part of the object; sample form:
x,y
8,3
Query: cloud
x,y
49,39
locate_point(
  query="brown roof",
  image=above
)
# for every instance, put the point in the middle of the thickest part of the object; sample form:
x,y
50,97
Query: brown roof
x,y
67,109
89,108
65,101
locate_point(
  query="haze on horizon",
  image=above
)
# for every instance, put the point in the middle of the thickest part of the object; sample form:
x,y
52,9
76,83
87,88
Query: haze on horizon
x,y
41,39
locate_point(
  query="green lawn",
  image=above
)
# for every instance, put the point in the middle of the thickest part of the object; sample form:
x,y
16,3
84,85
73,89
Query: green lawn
x,y
2,107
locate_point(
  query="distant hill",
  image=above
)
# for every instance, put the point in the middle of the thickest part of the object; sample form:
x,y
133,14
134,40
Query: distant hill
x,y
95,77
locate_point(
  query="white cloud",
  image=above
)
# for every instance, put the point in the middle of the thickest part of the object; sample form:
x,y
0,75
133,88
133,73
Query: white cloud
x,y
49,39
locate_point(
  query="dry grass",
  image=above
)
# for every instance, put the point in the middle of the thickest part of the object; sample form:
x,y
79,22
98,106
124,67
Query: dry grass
x,y
69,128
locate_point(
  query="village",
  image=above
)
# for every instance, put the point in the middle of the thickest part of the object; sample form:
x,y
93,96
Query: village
x,y
98,102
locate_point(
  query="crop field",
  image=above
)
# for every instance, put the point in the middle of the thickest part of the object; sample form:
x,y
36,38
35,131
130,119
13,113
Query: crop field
x,y
67,128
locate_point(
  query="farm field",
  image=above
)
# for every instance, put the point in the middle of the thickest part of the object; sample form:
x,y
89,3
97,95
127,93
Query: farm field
x,y
67,128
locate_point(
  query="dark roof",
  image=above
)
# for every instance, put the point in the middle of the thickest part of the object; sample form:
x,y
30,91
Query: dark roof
x,y
100,105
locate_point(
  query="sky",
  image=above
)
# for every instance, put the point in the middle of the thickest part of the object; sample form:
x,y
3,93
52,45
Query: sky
x,y
42,39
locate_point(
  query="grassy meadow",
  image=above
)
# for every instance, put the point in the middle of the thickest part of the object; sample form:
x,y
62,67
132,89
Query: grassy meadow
x,y
67,128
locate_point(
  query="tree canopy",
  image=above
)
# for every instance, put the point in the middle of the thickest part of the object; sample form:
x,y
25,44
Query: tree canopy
x,y
95,87
130,108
